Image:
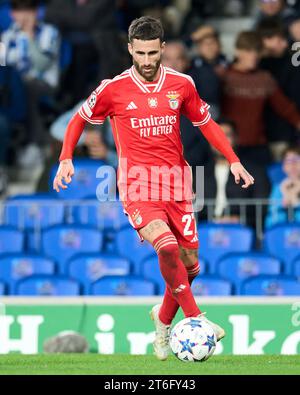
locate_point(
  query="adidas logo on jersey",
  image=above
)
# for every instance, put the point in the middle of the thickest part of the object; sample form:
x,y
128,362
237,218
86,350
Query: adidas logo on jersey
x,y
131,106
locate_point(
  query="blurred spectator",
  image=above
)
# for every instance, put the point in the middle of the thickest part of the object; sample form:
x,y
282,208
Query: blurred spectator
x,y
286,195
220,186
207,63
246,91
91,28
176,56
274,40
96,142
294,27
12,111
277,60
274,8
208,46
32,47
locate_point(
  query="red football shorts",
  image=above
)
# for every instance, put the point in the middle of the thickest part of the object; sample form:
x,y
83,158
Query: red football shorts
x,y
178,215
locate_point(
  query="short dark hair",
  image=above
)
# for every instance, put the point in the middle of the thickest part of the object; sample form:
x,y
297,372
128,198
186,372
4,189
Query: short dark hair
x,y
249,41
24,4
271,27
145,28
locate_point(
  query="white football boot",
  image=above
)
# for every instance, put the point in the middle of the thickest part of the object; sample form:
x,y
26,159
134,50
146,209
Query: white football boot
x,y
162,335
220,333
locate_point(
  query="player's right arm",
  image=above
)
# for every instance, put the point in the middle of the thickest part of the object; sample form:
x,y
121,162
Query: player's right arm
x,y
94,110
66,169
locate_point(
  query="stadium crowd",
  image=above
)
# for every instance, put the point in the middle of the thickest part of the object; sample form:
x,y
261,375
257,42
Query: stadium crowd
x,y
56,52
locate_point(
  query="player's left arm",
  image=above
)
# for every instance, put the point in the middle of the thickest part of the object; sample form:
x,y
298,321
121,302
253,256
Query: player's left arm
x,y
197,111
216,137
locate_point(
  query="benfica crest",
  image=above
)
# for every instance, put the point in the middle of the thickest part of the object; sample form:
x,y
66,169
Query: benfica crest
x,y
173,100
152,101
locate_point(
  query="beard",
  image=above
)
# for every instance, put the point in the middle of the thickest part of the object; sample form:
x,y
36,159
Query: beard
x,y
147,74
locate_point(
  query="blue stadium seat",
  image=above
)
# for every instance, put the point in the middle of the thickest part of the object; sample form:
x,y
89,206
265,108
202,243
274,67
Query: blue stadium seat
x,y
123,286
296,266
85,182
5,15
275,173
283,241
62,242
106,215
88,268
128,245
2,288
271,286
33,211
151,271
43,285
211,286
217,240
237,267
14,267
11,240
33,241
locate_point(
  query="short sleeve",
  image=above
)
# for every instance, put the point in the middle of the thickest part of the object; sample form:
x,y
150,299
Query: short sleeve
x,y
98,106
194,108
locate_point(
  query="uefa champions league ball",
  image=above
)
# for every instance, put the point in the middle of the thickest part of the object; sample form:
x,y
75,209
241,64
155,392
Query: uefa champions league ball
x,y
193,340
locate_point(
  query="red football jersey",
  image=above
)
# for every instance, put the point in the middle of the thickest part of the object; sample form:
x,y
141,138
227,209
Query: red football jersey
x,y
145,119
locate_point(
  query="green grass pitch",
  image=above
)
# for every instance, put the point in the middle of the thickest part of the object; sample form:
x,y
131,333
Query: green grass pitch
x,y
87,364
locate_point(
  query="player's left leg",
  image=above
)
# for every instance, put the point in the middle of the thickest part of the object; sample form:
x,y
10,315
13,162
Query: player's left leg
x,y
157,232
169,307
183,225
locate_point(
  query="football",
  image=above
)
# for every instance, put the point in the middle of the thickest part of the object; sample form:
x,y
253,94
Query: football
x,y
193,340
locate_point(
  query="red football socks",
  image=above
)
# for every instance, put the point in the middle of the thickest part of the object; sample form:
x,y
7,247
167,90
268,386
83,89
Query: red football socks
x,y
193,272
170,305
175,275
